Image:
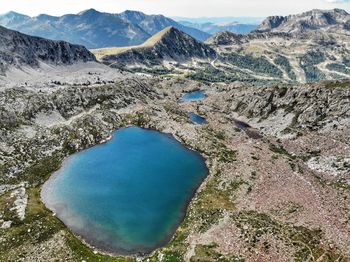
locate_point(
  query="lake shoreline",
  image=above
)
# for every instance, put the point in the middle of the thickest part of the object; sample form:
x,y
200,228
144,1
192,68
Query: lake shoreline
x,y
121,252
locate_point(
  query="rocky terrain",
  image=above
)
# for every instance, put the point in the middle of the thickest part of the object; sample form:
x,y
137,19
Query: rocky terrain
x,y
278,184
17,49
95,29
169,45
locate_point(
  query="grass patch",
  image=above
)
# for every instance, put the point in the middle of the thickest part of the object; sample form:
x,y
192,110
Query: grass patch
x,y
208,253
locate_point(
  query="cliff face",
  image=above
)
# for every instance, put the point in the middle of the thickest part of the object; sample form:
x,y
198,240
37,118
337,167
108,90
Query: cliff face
x,y
17,49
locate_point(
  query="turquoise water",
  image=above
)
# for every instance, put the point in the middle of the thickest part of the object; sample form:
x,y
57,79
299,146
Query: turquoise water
x,y
193,96
128,195
197,119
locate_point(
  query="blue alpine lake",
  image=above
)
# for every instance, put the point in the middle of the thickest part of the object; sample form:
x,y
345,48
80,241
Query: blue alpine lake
x,y
129,195
193,96
197,119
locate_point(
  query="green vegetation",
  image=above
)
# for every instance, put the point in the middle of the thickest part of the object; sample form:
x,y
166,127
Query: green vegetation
x,y
283,62
313,58
259,65
208,253
211,74
339,68
211,202
308,63
312,73
280,150
338,84
153,71
227,155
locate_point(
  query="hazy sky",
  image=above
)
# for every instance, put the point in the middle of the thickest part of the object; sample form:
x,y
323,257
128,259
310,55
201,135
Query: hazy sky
x,y
189,8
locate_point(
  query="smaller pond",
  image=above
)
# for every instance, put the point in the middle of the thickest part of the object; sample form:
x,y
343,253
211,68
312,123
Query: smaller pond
x,y
241,124
197,119
249,130
193,96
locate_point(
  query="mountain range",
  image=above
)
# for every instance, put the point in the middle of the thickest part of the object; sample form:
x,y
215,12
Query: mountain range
x,y
215,20
213,28
307,47
302,48
95,29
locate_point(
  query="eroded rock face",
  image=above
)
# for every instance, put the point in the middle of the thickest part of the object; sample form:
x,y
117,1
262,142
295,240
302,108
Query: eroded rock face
x,y
312,108
17,49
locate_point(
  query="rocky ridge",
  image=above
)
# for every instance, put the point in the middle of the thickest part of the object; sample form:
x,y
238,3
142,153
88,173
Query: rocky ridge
x,y
17,49
336,20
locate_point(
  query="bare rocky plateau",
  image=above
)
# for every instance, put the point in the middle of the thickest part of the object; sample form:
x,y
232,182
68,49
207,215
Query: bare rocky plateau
x,y
278,189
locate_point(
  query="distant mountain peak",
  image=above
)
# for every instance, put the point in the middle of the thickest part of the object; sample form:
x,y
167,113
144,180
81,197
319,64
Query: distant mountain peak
x,y
95,29
335,19
13,14
225,38
133,12
90,11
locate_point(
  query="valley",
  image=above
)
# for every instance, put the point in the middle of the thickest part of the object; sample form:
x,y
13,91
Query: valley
x,y
241,198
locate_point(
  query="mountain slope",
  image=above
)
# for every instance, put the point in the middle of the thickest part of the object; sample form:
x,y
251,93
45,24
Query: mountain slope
x,y
170,44
17,49
307,47
95,29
